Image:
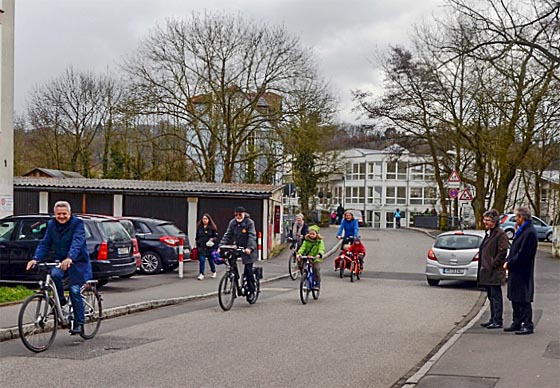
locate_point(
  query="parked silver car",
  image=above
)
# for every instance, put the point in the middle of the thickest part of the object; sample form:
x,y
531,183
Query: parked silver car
x,y
454,256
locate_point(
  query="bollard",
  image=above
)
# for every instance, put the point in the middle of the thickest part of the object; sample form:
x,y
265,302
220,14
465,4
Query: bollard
x,y
181,242
259,246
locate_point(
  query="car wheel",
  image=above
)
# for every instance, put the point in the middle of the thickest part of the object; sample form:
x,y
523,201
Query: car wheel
x,y
509,233
433,282
151,263
548,237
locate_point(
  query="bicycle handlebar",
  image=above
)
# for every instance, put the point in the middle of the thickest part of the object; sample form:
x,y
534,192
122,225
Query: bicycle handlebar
x,y
56,264
232,247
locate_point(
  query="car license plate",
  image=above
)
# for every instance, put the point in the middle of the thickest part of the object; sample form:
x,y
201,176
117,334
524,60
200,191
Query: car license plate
x,y
456,271
123,251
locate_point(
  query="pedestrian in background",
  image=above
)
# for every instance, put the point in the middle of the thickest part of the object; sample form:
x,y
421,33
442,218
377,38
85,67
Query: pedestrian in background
x,y
397,216
339,213
521,266
491,274
206,239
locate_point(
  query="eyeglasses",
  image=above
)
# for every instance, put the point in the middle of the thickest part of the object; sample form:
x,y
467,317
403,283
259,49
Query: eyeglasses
x,y
237,214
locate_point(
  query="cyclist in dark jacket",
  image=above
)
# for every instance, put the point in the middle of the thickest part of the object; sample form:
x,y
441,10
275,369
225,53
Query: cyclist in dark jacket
x,y
241,232
67,236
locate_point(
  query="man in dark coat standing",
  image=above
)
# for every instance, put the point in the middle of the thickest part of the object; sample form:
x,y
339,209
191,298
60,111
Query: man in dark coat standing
x,y
491,274
521,264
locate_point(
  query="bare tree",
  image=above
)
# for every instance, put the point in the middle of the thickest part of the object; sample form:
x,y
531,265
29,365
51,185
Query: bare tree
x,y
224,78
71,110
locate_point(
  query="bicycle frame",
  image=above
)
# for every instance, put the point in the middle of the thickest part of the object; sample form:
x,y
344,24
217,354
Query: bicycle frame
x,y
47,286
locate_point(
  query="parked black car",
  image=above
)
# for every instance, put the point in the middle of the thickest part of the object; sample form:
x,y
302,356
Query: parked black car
x,y
158,241
110,247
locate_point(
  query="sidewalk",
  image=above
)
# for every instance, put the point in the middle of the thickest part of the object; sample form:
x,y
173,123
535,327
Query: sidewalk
x,y
477,357
120,296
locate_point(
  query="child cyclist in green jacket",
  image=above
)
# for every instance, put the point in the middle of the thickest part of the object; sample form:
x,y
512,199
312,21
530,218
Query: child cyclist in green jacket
x,y
313,245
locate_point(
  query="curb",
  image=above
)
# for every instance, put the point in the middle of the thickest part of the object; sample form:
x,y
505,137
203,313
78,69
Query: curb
x,y
113,312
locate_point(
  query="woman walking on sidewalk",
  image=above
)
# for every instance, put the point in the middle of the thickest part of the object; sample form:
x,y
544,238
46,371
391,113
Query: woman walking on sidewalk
x,y
206,239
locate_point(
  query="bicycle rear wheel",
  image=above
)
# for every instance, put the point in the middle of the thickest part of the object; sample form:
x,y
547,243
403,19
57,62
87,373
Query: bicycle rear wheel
x,y
293,269
304,288
93,312
226,291
37,322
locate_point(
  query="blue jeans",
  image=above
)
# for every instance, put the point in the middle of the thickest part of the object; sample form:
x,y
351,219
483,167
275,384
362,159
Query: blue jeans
x,y
202,261
75,296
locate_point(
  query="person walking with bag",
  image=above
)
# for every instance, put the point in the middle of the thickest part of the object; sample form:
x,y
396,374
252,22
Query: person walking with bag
x,y
206,239
491,274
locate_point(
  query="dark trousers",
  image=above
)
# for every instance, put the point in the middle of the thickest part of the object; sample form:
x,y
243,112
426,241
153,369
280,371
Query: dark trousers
x,y
522,314
398,222
496,300
317,272
248,272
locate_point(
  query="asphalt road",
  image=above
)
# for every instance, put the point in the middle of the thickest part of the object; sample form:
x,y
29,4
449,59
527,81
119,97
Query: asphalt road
x,y
364,334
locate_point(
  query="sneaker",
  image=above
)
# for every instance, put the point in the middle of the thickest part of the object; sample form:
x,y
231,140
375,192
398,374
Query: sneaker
x,y
200,277
213,275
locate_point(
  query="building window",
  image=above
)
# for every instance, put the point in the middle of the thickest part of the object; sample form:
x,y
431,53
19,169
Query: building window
x,y
356,171
396,170
375,195
416,195
544,195
430,195
417,173
354,195
395,195
429,173
375,170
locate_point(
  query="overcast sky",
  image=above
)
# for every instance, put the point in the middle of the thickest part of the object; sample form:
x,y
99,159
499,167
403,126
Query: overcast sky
x,y
51,35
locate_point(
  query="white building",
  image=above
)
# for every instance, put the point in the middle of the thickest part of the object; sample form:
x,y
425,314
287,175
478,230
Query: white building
x,y
387,179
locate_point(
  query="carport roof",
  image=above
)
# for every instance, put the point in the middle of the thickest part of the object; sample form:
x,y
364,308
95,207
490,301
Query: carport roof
x,y
145,187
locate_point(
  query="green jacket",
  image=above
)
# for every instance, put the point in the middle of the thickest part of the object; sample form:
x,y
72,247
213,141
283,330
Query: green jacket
x,y
312,247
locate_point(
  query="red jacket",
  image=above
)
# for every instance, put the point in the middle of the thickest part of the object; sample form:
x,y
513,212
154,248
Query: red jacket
x,y
357,248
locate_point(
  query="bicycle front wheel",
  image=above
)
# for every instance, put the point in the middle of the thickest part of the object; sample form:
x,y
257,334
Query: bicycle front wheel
x,y
255,295
93,312
37,322
304,288
226,291
352,269
293,267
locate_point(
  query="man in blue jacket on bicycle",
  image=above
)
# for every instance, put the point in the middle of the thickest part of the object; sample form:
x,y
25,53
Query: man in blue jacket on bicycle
x,y
67,236
241,232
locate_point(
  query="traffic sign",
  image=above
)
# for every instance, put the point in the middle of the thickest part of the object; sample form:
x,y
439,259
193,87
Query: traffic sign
x,y
453,193
454,177
466,195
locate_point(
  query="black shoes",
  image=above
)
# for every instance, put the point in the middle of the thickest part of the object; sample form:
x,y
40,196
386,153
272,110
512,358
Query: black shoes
x,y
494,325
513,327
77,329
525,329
486,324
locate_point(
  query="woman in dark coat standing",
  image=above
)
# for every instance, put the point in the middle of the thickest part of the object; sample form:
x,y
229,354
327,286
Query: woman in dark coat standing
x,y
491,274
206,240
521,264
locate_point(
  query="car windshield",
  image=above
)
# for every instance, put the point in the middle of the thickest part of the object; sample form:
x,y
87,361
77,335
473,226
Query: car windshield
x,y
129,227
114,231
171,229
455,242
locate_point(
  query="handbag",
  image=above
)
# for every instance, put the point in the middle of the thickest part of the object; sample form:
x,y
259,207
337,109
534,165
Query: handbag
x,y
194,253
216,257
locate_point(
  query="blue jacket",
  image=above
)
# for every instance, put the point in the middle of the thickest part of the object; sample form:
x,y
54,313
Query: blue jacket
x,y
350,228
69,241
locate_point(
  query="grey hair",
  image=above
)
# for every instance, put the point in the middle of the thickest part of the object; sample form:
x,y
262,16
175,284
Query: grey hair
x,y
299,215
524,212
492,214
64,204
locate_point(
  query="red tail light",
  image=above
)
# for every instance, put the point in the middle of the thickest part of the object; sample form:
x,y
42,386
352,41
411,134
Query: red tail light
x,y
504,219
475,258
103,253
169,240
135,249
432,255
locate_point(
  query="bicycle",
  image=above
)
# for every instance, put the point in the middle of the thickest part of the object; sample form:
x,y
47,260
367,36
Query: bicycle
x,y
41,313
229,287
307,283
294,267
356,267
